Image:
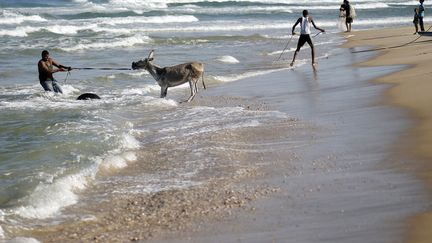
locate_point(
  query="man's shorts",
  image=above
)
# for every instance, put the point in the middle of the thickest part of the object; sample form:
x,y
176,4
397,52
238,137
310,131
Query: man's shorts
x,y
303,39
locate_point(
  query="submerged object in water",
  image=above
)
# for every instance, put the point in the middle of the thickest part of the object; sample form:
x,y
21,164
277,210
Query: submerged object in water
x,y
88,96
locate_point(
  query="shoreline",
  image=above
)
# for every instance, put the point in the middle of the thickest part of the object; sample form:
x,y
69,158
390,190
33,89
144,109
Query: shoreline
x,y
410,90
320,177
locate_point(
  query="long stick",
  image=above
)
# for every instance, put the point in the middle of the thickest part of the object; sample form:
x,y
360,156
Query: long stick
x,y
286,46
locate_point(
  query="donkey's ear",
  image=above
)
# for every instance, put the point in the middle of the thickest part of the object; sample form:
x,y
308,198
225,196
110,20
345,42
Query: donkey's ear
x,y
150,56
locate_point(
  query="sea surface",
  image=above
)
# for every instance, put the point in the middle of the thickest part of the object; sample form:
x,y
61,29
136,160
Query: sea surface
x,y
52,147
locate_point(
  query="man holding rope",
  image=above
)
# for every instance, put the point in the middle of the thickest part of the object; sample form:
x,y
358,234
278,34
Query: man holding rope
x,y
46,71
305,32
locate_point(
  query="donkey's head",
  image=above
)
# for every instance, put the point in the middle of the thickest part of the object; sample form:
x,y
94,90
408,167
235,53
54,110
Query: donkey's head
x,y
144,64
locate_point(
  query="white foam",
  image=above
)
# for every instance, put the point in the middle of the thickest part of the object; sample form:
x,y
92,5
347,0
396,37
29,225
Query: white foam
x,y
228,59
146,20
19,31
152,88
235,77
279,52
114,162
48,199
129,142
112,43
404,3
139,4
2,234
68,29
9,18
118,160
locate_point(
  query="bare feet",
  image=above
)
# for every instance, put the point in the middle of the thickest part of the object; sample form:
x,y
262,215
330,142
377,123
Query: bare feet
x,y
314,64
292,64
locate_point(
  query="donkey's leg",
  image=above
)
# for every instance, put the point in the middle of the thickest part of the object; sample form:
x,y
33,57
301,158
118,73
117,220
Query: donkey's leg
x,y
193,89
164,91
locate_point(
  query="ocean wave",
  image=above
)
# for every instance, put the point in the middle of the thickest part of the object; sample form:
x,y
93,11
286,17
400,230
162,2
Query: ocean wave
x,y
236,77
404,3
11,18
109,43
336,7
144,20
49,197
382,21
2,235
228,59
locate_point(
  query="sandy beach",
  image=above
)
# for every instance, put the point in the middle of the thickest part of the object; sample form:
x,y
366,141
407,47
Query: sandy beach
x,y
411,89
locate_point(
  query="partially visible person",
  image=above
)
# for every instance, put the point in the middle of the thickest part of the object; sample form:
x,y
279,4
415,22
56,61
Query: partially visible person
x,y
348,14
305,25
421,11
46,71
416,20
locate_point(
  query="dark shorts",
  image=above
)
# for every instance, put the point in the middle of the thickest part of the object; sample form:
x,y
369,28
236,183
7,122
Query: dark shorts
x,y
349,20
416,20
303,39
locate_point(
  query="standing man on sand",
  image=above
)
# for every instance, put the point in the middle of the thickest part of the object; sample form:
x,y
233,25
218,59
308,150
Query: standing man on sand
x,y
348,15
46,70
305,25
421,11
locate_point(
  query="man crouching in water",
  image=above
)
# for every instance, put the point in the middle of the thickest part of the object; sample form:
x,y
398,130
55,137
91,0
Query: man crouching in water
x,y
305,24
46,70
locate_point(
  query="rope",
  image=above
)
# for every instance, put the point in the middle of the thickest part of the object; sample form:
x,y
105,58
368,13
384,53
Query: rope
x,y
286,46
391,47
102,68
67,75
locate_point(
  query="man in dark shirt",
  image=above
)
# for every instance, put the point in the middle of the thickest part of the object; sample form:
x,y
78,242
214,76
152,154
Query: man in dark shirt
x,y
348,18
421,15
46,70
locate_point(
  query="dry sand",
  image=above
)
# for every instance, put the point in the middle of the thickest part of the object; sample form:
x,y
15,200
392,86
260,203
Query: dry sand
x,y
412,89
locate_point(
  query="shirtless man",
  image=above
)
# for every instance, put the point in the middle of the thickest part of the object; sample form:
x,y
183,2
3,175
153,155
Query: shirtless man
x,y
46,70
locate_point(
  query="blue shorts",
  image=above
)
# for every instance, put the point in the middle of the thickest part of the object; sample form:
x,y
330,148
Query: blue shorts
x,y
51,85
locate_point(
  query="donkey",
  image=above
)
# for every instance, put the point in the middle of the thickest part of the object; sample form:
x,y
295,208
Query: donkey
x,y
174,75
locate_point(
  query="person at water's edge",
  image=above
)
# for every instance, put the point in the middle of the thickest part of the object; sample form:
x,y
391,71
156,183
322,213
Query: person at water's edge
x,y
305,31
46,70
348,15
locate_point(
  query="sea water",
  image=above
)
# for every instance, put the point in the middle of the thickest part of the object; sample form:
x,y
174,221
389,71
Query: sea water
x,y
53,146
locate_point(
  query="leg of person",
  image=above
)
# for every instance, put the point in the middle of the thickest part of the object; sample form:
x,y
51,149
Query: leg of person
x,y
421,24
309,41
415,26
349,20
47,85
57,87
300,43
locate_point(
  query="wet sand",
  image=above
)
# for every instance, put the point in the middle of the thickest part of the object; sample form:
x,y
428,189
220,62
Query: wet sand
x,y
411,89
330,173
